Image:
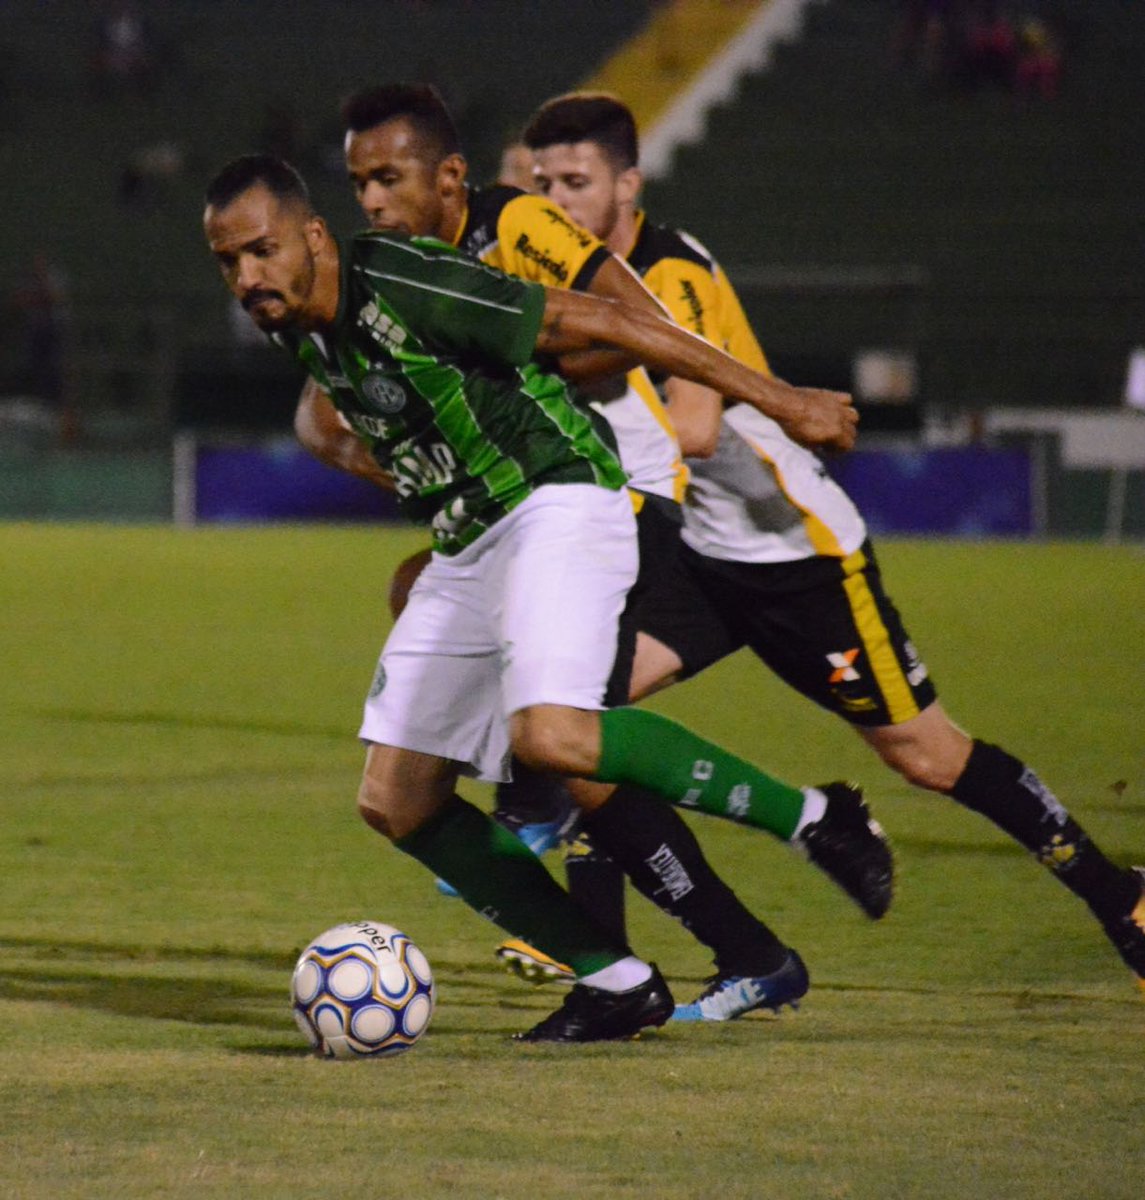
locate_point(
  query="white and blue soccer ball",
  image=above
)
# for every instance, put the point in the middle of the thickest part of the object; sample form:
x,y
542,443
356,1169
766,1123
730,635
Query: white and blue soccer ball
x,y
362,990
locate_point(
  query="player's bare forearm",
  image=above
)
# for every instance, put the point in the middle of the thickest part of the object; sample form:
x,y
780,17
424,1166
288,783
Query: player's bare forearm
x,y
812,416
614,280
318,428
588,366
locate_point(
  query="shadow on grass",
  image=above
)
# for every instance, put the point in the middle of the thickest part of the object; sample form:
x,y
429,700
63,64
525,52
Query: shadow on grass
x,y
275,1050
198,1001
54,948
174,720
92,976
203,1002
952,846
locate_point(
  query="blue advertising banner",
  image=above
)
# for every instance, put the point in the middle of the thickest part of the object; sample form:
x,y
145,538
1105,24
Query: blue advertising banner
x,y
279,481
964,491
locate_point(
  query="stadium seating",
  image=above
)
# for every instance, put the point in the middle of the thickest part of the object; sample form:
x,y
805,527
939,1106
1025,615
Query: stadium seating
x,y
999,237
108,179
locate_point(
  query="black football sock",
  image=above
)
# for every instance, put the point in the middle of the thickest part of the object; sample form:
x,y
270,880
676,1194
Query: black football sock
x,y
596,883
1010,794
662,857
531,797
496,874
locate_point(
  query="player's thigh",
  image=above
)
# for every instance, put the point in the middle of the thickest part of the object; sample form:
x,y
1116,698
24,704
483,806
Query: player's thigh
x,y
655,666
404,577
567,569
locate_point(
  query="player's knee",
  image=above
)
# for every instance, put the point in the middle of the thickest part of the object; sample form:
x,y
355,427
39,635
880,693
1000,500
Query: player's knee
x,y
553,738
377,807
538,746
394,814
934,768
401,790
929,750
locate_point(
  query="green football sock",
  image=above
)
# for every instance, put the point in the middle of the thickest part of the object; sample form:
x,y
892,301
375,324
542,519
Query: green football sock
x,y
648,750
496,874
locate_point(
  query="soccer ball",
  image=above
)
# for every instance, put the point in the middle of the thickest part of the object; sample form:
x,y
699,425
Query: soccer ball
x,y
362,990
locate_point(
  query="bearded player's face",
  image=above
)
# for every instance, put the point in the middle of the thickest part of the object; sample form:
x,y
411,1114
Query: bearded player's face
x,y
580,178
265,251
395,179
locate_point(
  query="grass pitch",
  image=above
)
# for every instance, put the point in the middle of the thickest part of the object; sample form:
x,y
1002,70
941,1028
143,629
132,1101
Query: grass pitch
x,y
178,769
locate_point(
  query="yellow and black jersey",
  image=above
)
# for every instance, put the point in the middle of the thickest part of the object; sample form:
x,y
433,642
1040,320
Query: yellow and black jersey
x,y
530,237
760,497
688,281
533,238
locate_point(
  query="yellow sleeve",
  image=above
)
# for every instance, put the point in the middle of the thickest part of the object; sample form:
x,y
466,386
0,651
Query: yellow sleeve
x,y
536,240
738,339
705,303
688,291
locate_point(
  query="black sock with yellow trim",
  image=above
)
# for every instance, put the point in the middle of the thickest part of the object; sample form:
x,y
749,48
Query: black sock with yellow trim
x,y
1009,793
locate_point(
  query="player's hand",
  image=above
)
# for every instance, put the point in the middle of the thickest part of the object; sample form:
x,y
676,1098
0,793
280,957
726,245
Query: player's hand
x,y
826,420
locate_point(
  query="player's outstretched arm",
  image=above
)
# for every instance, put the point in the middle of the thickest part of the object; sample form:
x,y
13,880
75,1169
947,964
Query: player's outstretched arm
x,y
812,416
613,280
319,429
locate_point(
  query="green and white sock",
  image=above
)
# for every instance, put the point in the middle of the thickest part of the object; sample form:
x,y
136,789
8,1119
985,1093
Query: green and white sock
x,y
650,751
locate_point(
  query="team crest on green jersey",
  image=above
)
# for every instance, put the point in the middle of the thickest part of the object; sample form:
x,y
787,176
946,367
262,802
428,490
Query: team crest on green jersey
x,y
386,395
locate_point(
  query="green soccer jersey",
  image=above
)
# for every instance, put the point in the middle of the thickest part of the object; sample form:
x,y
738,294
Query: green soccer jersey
x,y
430,360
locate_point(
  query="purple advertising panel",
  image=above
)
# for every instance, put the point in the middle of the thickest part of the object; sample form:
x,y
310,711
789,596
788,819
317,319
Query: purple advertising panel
x,y
280,481
964,491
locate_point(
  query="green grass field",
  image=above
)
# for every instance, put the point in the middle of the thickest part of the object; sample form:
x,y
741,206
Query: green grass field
x,y
178,768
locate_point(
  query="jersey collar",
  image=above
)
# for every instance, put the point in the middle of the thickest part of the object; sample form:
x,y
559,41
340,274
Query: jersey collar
x,y
640,217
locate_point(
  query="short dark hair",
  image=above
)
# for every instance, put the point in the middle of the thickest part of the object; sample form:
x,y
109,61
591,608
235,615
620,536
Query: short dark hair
x,y
418,103
587,117
275,174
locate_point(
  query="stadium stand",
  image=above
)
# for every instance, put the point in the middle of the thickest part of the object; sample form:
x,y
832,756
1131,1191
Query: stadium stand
x,y
225,74
1000,237
103,178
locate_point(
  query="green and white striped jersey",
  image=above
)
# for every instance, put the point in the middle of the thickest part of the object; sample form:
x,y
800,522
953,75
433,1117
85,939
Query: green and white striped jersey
x,y
430,360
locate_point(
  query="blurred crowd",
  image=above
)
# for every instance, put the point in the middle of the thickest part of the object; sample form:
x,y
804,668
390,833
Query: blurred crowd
x,y
972,44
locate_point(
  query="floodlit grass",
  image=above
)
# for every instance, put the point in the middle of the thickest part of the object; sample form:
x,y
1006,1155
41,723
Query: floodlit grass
x,y
178,768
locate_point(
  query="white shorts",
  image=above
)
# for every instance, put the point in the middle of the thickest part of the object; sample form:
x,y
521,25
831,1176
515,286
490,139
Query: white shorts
x,y
528,614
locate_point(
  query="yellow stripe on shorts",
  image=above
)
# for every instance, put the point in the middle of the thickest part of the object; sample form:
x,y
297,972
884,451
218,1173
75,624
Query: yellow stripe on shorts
x,y
881,655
